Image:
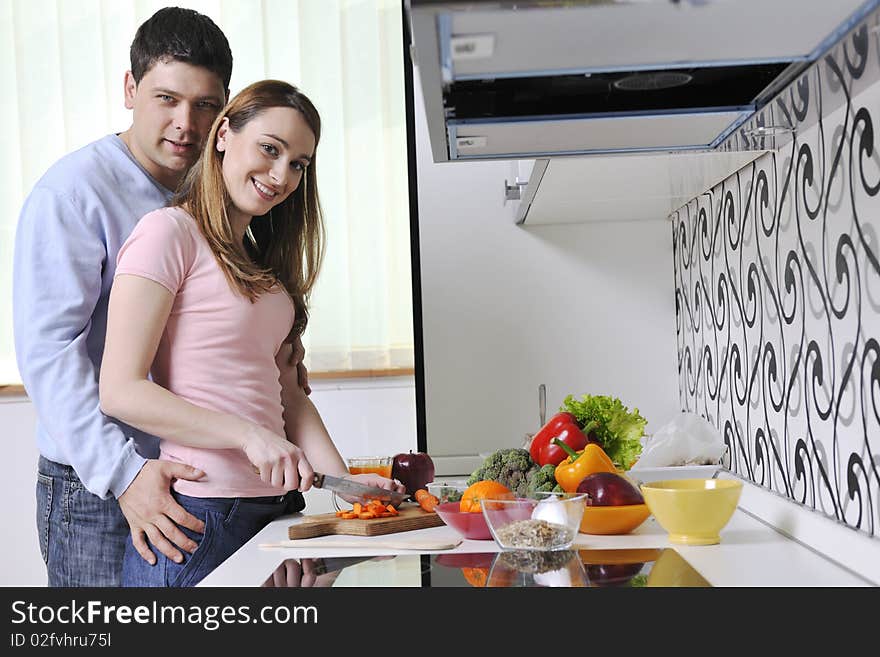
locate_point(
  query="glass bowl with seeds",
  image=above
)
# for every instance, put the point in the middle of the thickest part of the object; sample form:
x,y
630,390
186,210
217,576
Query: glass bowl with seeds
x,y
546,521
532,568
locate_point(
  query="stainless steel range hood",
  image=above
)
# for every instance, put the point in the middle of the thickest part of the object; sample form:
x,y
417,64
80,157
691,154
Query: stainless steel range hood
x,y
515,80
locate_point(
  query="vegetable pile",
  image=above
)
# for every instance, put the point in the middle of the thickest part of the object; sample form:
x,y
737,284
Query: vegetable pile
x,y
595,433
617,429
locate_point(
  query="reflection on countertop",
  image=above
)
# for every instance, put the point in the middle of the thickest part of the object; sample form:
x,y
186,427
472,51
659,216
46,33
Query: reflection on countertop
x,y
647,567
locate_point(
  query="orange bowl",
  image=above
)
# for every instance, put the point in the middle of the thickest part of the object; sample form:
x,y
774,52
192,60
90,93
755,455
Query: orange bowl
x,y
613,519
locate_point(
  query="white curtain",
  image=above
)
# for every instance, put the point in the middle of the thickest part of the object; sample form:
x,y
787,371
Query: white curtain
x,y
61,68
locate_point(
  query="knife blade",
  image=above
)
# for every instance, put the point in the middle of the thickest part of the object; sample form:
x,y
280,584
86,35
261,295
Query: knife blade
x,y
349,487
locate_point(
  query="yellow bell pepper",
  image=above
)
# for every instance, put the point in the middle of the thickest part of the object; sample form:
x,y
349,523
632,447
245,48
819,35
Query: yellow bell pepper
x,y
571,471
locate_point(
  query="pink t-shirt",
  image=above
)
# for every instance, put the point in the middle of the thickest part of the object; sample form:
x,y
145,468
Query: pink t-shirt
x,y
218,349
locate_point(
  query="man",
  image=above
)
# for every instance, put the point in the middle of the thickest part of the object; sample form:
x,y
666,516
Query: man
x,y
96,480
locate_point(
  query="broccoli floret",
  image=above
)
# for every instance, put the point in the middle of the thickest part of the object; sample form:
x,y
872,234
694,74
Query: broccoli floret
x,y
543,480
509,467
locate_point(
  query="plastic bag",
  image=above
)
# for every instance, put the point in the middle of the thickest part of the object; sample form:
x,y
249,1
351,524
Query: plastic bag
x,y
687,440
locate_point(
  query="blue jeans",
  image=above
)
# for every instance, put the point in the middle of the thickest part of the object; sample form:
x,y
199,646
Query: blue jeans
x,y
230,522
82,537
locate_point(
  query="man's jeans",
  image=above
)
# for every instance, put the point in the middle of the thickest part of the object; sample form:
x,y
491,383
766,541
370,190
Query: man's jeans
x,y
82,537
230,522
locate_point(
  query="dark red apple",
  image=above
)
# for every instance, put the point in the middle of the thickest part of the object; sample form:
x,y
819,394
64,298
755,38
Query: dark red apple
x,y
618,574
413,470
609,489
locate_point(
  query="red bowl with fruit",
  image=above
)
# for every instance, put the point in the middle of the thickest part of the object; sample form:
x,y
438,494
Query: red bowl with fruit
x,y
468,524
467,559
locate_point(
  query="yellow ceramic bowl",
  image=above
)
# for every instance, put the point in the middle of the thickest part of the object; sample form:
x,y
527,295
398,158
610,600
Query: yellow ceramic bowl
x,y
613,519
693,511
670,569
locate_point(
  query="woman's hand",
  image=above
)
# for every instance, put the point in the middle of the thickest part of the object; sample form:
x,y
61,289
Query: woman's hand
x,y
371,479
279,462
293,573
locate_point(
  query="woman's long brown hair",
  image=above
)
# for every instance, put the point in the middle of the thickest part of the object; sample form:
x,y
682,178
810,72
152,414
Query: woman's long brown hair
x,y
285,246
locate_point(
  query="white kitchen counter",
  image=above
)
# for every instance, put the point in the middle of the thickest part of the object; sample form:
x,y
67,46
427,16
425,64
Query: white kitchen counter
x,y
751,553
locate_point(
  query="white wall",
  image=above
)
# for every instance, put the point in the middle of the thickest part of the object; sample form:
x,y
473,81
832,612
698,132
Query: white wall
x,y
363,416
582,308
20,564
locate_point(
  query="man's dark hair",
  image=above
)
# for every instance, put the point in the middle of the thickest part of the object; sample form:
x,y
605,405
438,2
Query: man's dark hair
x,y
183,35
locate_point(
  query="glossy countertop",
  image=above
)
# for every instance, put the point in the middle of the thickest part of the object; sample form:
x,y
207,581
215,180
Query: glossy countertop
x,y
752,553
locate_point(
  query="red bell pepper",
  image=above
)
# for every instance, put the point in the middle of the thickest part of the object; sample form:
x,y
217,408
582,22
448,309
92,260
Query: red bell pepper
x,y
563,426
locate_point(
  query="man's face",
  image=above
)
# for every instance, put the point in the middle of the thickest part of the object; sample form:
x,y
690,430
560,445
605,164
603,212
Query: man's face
x,y
173,106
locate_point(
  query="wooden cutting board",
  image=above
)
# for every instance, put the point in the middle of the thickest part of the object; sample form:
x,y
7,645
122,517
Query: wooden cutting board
x,y
411,517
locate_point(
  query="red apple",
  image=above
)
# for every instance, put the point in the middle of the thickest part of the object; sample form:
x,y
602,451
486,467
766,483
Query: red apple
x,y
619,574
609,489
413,470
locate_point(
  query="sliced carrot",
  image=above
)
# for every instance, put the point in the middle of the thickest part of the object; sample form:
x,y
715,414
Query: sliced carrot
x,y
372,509
380,508
420,493
428,503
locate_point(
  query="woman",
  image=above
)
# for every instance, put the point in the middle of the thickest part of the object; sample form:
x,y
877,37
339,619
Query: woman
x,y
209,295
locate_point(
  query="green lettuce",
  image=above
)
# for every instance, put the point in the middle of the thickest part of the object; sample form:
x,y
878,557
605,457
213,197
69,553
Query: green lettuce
x,y
638,580
618,430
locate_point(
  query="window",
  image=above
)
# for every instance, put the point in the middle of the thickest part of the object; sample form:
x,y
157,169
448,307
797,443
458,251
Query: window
x,y
62,64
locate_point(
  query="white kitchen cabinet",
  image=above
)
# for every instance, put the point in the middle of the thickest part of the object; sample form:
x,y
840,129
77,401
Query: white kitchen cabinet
x,y
542,78
620,188
532,38
601,165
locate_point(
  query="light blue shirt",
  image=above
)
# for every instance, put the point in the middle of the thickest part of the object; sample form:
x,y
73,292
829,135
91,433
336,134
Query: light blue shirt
x,y
70,229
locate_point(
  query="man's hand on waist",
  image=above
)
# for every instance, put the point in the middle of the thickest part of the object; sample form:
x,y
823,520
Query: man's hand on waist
x,y
152,512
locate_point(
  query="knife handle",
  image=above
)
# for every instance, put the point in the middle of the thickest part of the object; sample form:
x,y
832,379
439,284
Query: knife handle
x,y
318,482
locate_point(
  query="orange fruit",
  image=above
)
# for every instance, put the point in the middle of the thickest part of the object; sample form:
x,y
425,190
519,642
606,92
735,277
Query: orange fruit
x,y
470,499
475,576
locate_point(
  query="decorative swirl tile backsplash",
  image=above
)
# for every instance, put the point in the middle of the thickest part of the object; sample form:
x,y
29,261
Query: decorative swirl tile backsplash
x,y
777,294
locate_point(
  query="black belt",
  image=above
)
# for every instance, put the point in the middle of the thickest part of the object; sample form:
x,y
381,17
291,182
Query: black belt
x,y
272,499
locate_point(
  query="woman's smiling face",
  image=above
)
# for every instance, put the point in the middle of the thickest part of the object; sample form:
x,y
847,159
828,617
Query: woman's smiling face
x,y
264,162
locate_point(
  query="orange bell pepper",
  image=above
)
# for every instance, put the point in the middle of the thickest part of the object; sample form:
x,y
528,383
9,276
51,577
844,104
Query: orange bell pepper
x,y
571,472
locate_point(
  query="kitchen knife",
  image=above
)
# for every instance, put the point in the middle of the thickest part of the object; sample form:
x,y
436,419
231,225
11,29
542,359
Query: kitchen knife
x,y
350,487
